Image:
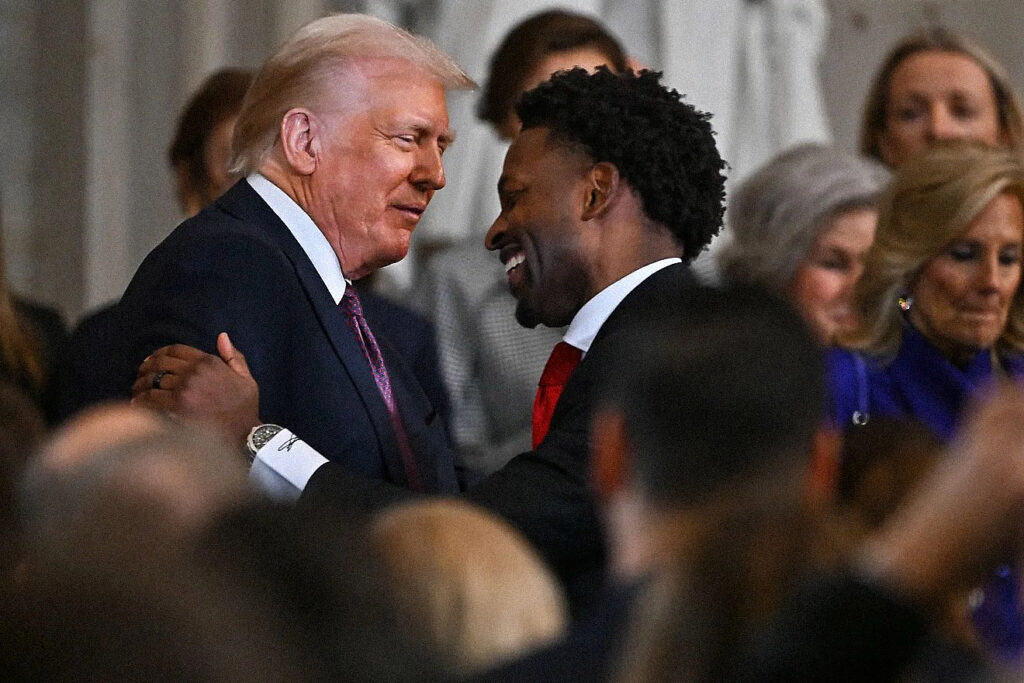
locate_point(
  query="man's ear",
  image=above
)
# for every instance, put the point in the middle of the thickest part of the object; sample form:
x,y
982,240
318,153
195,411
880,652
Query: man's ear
x,y
300,140
602,187
609,452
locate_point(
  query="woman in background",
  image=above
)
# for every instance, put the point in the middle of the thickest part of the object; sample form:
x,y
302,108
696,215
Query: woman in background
x,y
801,227
33,344
200,153
940,314
937,85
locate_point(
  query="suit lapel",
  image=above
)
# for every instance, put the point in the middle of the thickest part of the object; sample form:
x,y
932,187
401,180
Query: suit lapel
x,y
244,202
668,281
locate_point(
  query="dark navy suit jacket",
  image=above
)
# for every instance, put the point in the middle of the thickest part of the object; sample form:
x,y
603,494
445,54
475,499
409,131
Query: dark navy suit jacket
x,y
236,267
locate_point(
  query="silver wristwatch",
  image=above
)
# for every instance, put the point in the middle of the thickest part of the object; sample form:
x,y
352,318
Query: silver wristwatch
x,y
259,437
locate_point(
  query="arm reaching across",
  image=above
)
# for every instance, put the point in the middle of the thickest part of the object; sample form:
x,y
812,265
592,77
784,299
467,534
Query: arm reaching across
x,y
222,393
966,517
201,387
960,522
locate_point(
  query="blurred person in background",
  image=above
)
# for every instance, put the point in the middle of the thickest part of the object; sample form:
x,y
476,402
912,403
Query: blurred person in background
x,y
33,349
468,585
200,153
868,621
113,455
938,85
801,226
22,427
940,313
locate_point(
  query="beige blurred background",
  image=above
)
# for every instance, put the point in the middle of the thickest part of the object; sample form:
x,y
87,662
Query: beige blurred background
x,y
91,91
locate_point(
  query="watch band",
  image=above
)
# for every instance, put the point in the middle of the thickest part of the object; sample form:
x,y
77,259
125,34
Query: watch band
x,y
259,437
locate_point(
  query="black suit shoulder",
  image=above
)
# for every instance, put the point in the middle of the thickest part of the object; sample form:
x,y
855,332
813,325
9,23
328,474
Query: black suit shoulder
x,y
46,328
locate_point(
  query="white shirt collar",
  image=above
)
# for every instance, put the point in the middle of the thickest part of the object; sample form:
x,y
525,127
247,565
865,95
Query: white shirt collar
x,y
589,319
309,237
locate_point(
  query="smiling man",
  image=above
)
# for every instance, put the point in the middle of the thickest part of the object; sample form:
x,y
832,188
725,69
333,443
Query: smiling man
x,y
611,185
341,136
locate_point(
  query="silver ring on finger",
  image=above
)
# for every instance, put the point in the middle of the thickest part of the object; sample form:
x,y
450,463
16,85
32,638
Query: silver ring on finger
x,y
158,377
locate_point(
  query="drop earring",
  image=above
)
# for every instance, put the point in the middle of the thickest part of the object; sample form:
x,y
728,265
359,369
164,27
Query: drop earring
x,y
905,302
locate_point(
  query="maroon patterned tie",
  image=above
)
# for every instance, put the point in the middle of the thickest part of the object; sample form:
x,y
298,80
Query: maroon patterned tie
x,y
353,309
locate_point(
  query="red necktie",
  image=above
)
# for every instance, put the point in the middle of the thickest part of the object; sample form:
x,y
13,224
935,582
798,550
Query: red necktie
x,y
353,308
563,360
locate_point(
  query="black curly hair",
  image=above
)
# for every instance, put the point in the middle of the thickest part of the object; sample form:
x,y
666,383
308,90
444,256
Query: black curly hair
x,y
663,147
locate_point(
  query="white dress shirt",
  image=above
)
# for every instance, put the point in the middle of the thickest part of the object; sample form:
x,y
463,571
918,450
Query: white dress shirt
x,y
591,317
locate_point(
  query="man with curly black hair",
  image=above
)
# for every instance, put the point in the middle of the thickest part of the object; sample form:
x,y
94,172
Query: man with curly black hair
x,y
612,183
609,174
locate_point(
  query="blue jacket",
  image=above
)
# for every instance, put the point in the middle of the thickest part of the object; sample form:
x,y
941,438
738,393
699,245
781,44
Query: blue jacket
x,y
919,382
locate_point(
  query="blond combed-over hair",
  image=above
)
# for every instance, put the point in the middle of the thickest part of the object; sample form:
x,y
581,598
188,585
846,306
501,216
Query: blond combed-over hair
x,y
299,74
931,202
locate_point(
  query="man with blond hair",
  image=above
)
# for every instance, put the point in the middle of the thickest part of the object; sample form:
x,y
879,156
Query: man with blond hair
x,y
340,138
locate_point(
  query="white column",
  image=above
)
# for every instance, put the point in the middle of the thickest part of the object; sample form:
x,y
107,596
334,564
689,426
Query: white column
x,y
107,143
206,24
293,14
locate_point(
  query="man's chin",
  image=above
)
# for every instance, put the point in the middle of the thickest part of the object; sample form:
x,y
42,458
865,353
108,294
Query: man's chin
x,y
525,315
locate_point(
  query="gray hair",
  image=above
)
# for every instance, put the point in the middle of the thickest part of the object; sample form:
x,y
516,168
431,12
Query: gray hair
x,y
297,75
775,216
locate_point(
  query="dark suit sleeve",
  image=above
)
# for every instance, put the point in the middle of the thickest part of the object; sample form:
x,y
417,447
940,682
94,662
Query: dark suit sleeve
x,y
193,287
545,493
332,487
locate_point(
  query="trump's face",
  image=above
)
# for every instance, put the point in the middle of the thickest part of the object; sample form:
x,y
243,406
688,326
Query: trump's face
x,y
378,162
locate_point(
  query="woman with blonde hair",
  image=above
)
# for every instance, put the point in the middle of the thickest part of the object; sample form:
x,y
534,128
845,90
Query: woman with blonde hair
x,y
938,85
941,315
467,584
938,302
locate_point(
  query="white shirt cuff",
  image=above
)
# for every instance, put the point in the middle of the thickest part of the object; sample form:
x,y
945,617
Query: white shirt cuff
x,y
284,465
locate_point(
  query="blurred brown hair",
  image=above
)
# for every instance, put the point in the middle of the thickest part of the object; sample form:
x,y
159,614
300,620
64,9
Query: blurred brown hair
x,y
528,43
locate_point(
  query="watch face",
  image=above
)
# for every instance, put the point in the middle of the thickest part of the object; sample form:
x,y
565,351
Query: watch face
x,y
262,435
